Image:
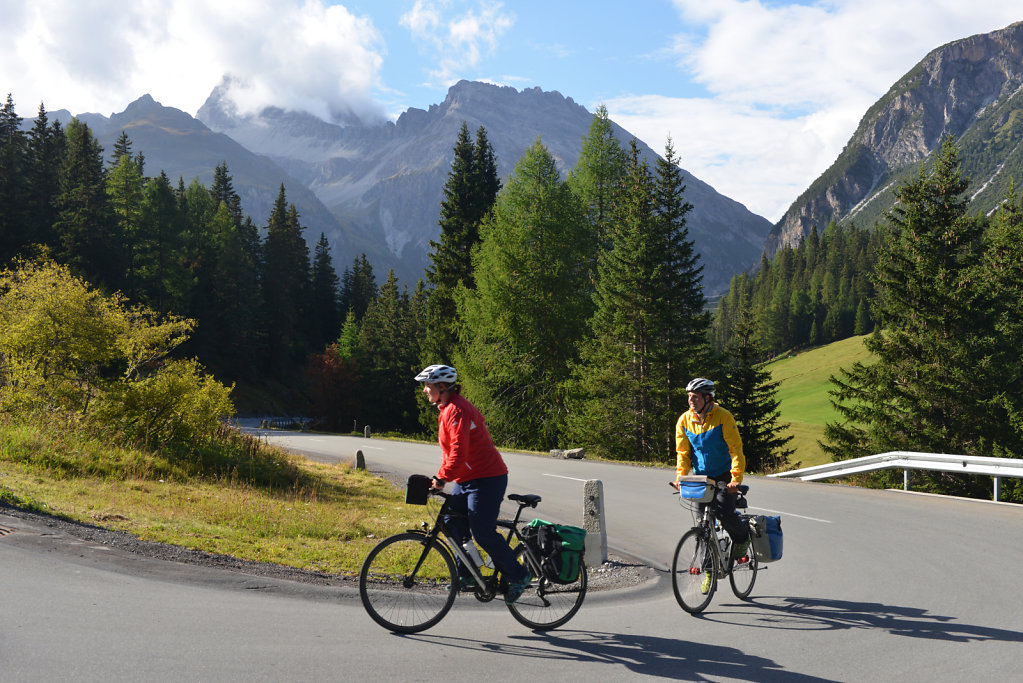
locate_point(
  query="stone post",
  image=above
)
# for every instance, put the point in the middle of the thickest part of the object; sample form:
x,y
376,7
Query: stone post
x,y
593,522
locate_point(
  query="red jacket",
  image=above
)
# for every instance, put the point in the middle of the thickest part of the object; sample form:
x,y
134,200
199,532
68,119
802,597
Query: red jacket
x,y
469,453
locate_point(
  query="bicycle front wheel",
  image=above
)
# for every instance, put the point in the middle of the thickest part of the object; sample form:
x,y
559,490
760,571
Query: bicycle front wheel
x,y
546,605
743,574
693,577
406,585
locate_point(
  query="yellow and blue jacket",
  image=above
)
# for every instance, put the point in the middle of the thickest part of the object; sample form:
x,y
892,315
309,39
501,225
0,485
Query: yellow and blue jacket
x,y
712,447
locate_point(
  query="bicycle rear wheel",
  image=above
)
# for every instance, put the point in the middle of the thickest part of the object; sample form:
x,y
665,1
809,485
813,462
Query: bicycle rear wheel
x,y
693,577
407,586
546,605
743,575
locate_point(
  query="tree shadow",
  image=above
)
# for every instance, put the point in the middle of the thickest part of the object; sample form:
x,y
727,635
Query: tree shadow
x,y
667,658
802,614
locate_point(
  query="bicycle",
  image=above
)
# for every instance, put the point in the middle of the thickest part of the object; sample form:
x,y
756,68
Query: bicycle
x,y
704,554
409,581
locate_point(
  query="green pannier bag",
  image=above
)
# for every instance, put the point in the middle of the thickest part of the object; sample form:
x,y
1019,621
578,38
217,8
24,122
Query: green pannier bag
x,y
560,547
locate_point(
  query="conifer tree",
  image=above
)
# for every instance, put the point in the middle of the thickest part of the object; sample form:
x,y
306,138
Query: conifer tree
x,y
163,280
469,193
530,305
682,350
234,336
390,356
46,143
90,242
13,188
929,386
750,395
599,173
325,304
285,286
358,287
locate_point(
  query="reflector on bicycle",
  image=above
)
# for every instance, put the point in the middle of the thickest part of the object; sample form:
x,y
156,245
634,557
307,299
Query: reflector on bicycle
x,y
697,489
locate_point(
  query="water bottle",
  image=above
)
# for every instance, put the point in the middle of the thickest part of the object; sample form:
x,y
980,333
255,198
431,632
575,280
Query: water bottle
x,y
470,549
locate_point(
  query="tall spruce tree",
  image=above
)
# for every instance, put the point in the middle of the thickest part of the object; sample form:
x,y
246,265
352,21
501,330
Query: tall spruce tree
x,y
325,302
469,193
1002,280
682,350
751,397
616,397
390,354
13,187
90,241
46,143
530,304
929,386
358,287
285,287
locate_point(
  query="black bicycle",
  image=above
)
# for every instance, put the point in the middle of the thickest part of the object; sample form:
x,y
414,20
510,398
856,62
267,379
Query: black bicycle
x,y
704,554
409,581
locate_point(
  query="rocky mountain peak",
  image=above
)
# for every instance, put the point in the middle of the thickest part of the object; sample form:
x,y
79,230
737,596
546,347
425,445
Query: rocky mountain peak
x,y
957,90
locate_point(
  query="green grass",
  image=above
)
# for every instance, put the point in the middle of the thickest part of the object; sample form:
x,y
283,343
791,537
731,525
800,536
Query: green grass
x,y
803,394
255,502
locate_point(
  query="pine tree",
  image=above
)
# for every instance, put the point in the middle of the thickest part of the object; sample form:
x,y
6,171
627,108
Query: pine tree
x,y
13,188
325,302
927,389
46,143
530,305
469,193
285,287
163,280
751,398
389,359
90,242
358,287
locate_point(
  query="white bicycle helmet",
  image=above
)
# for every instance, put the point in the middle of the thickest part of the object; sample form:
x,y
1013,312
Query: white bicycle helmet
x,y
438,373
702,385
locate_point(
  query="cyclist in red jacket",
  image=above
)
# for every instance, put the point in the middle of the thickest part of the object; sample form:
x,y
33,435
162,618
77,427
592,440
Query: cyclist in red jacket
x,y
480,477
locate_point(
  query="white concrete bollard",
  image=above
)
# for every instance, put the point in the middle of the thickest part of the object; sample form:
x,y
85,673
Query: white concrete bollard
x,y
593,522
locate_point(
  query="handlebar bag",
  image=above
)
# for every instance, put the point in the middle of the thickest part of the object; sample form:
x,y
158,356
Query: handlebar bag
x,y
417,489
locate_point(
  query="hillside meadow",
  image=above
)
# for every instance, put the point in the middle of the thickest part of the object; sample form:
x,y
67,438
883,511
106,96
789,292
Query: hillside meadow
x,y
803,394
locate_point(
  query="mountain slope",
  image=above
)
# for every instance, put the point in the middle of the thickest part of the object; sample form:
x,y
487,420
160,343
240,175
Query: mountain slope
x,y
183,147
971,89
385,180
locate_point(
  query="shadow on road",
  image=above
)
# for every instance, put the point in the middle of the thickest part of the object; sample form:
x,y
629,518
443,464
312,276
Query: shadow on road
x,y
803,614
670,658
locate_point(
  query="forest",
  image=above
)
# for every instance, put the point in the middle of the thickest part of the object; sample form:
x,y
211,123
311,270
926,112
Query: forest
x,y
572,307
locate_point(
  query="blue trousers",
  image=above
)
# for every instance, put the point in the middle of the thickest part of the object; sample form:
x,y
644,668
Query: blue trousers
x,y
480,500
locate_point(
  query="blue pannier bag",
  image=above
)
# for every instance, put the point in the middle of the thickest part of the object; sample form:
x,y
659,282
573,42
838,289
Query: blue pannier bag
x,y
765,531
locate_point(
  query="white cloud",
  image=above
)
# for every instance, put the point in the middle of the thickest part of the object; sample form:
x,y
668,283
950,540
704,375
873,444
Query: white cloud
x,y
789,84
85,55
455,35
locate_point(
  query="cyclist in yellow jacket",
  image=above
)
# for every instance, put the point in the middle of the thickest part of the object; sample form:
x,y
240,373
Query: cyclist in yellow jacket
x,y
708,443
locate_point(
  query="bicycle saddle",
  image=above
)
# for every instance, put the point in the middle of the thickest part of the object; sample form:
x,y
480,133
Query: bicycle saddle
x,y
529,499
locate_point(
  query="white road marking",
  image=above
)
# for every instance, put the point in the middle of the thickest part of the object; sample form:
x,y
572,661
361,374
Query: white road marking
x,y
792,514
561,477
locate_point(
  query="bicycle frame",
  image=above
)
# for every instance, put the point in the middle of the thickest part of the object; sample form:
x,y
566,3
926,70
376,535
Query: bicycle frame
x,y
486,586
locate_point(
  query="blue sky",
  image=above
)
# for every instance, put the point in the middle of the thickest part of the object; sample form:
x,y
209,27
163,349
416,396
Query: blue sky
x,y
759,96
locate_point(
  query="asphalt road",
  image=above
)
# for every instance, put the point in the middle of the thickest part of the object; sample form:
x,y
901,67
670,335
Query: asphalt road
x,y
874,585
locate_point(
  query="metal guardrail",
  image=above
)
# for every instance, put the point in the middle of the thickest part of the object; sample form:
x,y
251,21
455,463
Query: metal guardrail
x,y
907,460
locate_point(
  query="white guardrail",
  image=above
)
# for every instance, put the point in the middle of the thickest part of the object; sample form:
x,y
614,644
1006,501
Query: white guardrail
x,y
906,461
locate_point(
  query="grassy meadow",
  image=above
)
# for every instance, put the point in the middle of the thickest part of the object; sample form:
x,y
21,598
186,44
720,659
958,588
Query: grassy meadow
x,y
803,394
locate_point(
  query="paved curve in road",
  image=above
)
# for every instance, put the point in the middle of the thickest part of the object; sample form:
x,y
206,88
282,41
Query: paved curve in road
x,y
874,585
